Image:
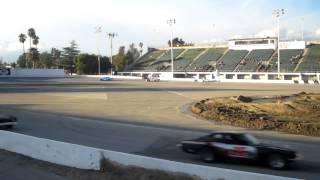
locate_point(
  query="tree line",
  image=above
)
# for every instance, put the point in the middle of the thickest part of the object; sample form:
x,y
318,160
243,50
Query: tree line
x,y
70,59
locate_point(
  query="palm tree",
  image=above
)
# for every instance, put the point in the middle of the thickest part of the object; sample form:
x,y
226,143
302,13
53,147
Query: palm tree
x,y
22,39
35,41
33,56
140,45
31,34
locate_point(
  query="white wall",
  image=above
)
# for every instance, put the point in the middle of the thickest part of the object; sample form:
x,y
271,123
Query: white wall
x,y
114,77
232,45
89,158
293,45
17,72
204,172
66,154
265,77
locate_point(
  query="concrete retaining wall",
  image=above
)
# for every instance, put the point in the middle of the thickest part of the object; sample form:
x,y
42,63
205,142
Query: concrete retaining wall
x,y
89,158
204,172
35,73
244,77
114,77
66,154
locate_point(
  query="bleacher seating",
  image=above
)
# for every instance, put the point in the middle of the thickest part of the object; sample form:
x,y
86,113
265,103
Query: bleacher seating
x,y
254,59
231,59
289,58
186,59
144,61
205,61
311,61
167,55
151,56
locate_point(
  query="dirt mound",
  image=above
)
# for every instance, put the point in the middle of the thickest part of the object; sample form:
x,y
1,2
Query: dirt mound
x,y
298,113
242,98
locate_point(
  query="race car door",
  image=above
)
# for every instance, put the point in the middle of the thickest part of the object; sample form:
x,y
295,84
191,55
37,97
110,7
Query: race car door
x,y
238,148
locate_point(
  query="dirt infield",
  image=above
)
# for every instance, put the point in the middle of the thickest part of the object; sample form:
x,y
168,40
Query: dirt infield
x,y
296,114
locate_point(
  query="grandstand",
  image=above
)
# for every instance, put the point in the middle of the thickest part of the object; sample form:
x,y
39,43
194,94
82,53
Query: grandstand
x,y
144,61
241,60
207,60
289,58
240,56
186,59
167,55
311,61
231,59
163,63
151,56
254,60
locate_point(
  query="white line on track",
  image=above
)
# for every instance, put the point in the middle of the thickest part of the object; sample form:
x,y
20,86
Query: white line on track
x,y
180,94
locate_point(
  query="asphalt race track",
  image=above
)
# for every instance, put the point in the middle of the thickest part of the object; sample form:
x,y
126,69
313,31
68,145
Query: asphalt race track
x,y
85,120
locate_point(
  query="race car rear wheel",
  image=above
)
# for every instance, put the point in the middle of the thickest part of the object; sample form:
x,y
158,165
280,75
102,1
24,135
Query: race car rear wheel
x,y
277,161
207,155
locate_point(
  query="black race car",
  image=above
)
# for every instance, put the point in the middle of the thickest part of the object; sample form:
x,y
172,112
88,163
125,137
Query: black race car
x,y
7,121
240,146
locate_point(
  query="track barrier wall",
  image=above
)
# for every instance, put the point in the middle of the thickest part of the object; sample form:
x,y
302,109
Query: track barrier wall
x,y
84,157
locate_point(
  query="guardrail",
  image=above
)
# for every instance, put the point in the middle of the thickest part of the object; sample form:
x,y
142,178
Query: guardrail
x,y
83,157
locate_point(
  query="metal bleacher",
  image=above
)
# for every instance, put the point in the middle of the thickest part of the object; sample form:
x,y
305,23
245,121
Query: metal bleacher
x,y
311,61
206,60
231,59
254,59
289,58
144,61
186,59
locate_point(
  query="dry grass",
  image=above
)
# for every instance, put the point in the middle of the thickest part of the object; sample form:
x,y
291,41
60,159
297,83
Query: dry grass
x,y
298,114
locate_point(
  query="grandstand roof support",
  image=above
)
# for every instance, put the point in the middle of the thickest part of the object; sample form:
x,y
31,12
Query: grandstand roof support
x,y
171,22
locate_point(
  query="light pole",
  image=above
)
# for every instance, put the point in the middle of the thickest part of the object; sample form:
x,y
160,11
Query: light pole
x,y
302,28
213,28
277,13
171,22
111,36
98,31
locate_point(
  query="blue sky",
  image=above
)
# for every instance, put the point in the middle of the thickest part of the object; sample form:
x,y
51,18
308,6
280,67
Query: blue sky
x,y
198,21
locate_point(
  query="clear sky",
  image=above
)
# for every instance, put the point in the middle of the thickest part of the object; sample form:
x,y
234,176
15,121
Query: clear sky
x,y
57,22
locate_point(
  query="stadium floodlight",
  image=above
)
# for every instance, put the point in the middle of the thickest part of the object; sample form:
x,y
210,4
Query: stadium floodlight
x,y
98,31
278,13
111,36
171,22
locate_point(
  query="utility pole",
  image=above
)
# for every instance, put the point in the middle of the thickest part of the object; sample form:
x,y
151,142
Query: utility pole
x,y
98,31
171,22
